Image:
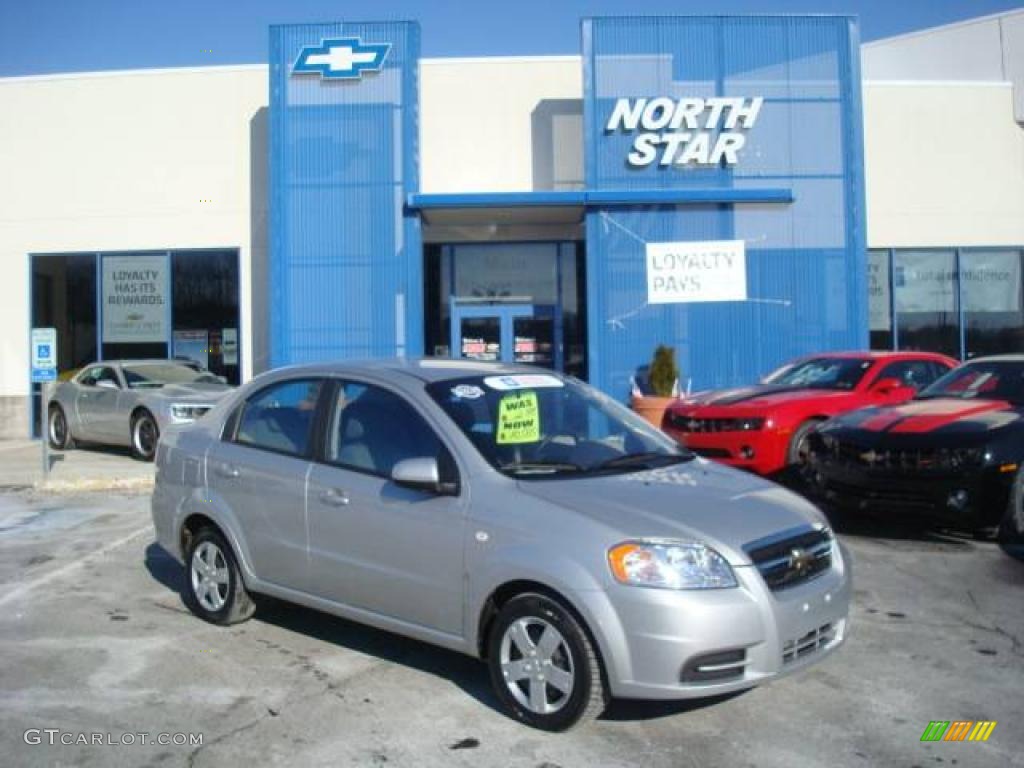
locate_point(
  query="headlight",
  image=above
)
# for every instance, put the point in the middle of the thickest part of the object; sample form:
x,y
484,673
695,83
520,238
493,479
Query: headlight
x,y
670,565
188,412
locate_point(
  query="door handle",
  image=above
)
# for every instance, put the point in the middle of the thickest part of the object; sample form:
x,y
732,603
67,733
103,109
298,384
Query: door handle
x,y
228,470
335,497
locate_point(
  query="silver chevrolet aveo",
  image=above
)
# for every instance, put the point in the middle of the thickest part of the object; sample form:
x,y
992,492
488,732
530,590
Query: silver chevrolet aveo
x,y
506,512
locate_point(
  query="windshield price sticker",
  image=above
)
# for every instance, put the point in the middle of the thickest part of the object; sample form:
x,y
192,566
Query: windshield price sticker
x,y
518,419
527,381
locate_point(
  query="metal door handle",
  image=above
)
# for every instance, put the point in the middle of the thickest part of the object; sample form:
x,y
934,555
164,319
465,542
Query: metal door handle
x,y
334,496
228,470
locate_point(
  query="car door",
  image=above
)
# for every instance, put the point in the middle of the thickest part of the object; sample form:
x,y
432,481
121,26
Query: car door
x,y
374,544
97,403
258,470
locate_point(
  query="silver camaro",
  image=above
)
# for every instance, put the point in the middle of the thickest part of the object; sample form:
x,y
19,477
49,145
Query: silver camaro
x,y
129,403
505,512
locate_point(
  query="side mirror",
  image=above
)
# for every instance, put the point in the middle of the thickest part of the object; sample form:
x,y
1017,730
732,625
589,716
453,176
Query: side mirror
x,y
421,474
887,386
107,384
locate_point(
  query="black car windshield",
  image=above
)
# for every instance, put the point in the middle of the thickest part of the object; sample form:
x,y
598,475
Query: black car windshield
x,y
156,375
842,373
984,380
539,425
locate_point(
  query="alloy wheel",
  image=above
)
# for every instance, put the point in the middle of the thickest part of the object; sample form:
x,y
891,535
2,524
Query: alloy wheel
x,y
210,580
537,665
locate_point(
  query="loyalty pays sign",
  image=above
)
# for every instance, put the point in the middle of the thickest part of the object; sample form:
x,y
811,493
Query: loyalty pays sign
x,y
713,270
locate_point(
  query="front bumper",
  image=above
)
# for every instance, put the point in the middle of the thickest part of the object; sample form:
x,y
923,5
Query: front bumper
x,y
761,451
969,499
655,641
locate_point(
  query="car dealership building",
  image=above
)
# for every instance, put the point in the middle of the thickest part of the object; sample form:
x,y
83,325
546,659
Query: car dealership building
x,y
745,189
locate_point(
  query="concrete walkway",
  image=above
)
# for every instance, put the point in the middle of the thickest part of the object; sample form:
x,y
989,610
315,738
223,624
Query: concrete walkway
x,y
83,469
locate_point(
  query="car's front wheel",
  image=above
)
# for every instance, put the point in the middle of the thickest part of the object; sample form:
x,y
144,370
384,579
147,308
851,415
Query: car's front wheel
x,y
215,589
543,665
58,431
145,434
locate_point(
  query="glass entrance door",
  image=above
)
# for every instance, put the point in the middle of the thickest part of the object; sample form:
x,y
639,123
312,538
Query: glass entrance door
x,y
508,333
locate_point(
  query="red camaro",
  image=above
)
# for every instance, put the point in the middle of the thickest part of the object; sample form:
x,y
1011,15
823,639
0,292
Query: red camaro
x,y
764,428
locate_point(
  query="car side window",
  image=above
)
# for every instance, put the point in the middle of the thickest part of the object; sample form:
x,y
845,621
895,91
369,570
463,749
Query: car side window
x,y
911,373
372,429
88,377
107,373
280,418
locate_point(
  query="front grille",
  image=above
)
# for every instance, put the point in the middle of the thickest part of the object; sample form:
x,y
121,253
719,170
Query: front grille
x,y
710,453
813,641
793,557
715,667
907,499
696,426
853,456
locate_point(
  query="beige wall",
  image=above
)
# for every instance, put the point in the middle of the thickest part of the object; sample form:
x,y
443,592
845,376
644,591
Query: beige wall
x,y
944,165
121,161
483,122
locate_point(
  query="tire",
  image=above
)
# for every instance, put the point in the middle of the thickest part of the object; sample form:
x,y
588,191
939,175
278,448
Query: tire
x,y
1011,529
144,436
214,589
525,683
796,457
58,431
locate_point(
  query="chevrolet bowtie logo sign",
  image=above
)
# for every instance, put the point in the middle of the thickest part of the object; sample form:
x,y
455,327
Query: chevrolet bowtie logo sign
x,y
800,560
341,58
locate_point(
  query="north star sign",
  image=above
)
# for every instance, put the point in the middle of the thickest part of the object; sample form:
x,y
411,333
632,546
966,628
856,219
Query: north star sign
x,y
341,58
685,131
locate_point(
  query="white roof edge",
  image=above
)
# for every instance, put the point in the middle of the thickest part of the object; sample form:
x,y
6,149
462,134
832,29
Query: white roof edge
x,y
134,72
941,83
566,58
944,27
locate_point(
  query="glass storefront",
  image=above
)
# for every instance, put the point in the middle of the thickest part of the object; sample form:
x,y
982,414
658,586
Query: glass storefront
x,y
162,304
964,302
516,302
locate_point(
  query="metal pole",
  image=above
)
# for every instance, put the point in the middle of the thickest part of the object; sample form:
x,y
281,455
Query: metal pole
x,y
43,428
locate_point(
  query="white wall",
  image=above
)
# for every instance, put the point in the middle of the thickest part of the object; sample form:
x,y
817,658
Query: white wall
x,y
120,161
944,164
478,123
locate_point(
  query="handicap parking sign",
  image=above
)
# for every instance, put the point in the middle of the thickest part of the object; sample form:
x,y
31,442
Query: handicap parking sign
x,y
44,354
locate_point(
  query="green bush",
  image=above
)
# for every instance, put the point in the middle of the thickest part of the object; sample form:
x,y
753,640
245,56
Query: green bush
x,y
664,373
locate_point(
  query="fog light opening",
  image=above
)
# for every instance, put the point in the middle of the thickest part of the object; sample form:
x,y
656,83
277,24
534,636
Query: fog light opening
x,y
747,452
957,500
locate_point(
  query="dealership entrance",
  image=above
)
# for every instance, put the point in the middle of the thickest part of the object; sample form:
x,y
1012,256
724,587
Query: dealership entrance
x,y
514,302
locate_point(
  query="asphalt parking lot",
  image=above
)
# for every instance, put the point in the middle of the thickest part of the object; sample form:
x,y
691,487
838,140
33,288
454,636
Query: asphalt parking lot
x,y
94,638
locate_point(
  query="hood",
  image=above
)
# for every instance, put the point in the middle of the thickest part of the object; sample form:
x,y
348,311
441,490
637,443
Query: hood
x,y
759,397
942,416
699,500
199,393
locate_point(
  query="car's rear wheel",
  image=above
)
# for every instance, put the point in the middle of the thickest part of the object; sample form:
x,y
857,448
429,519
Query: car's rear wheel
x,y
145,434
58,431
215,589
543,665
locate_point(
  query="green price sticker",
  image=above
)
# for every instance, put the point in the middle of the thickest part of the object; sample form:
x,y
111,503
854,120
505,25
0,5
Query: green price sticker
x,y
518,419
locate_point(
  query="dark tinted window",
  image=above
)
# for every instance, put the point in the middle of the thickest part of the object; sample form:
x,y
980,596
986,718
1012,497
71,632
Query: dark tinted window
x,y
912,373
373,429
280,417
985,380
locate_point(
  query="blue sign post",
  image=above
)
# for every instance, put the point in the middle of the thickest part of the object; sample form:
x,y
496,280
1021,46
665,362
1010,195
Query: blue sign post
x,y
44,371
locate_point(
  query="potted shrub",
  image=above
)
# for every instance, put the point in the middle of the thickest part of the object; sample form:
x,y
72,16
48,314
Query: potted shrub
x,y
663,375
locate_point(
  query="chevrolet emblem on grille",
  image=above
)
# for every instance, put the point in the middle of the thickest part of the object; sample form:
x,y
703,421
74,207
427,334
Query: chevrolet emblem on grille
x,y
869,457
800,560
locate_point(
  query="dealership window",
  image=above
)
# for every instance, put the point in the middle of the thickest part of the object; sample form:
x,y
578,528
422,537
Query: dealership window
x,y
964,302
139,304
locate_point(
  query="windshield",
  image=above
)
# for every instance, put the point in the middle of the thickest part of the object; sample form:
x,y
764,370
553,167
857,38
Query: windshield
x,y
821,373
156,375
537,425
995,380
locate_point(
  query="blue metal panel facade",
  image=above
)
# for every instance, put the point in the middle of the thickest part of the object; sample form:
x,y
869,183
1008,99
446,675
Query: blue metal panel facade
x,y
806,262
345,258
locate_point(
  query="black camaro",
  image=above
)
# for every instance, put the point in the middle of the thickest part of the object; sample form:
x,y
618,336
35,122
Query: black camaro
x,y
952,455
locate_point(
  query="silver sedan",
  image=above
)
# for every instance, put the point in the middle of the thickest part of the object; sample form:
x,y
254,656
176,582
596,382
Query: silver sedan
x,y
508,513
129,403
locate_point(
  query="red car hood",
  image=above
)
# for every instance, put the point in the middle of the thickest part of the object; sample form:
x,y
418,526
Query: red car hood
x,y
919,416
756,398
